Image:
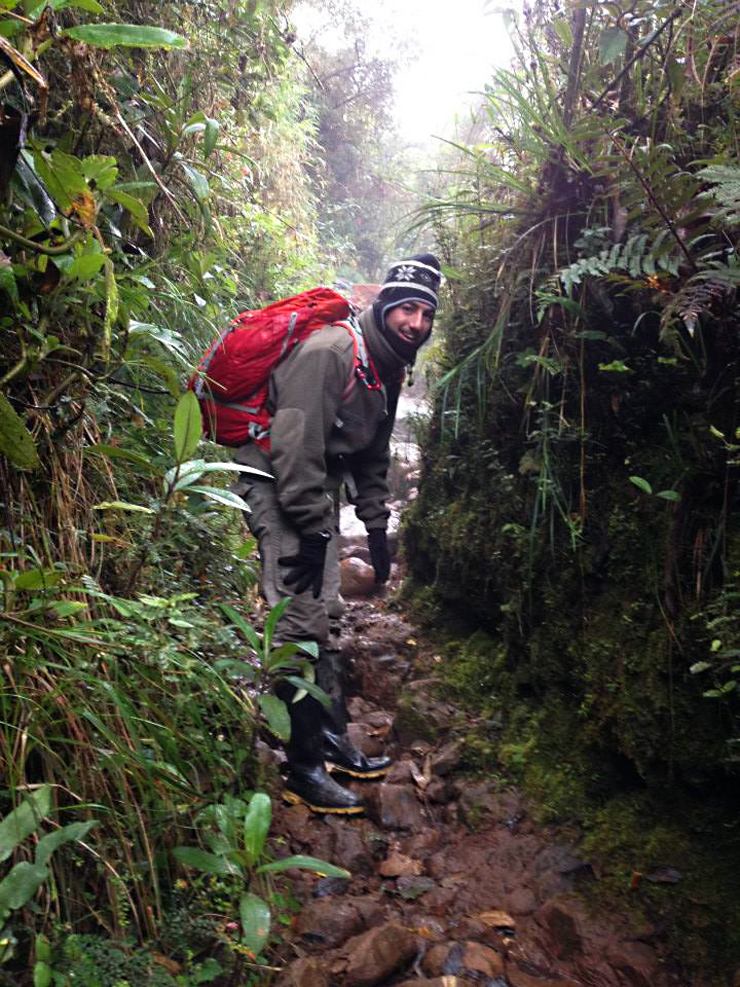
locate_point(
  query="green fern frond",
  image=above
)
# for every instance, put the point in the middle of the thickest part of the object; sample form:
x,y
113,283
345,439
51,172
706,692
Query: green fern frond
x,y
635,256
726,191
698,296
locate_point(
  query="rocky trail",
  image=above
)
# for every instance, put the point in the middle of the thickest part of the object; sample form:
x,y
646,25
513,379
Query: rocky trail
x,y
453,882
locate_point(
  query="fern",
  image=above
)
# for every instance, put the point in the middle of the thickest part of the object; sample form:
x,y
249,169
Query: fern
x,y
635,257
698,296
726,191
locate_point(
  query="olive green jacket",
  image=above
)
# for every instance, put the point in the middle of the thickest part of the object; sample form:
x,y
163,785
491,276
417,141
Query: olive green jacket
x,y
316,435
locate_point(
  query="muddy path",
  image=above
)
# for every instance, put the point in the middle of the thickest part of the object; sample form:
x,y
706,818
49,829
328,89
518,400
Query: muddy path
x,y
453,882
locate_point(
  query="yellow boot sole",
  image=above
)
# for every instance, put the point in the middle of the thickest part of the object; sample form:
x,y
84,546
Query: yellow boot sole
x,y
292,799
331,767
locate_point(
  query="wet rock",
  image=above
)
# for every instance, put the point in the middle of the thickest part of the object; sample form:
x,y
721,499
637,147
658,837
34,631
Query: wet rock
x,y
370,910
637,962
364,740
352,548
420,844
478,801
481,959
396,865
377,954
306,972
438,791
447,759
499,920
394,807
352,849
433,962
356,578
400,773
563,921
419,715
328,922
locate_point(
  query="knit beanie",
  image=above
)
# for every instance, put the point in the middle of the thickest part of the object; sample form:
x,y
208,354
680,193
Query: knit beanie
x,y
415,279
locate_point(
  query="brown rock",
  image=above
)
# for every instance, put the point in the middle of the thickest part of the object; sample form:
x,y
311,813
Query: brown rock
x,y
364,739
328,922
356,578
306,972
377,954
396,865
562,920
370,910
438,791
433,963
448,758
482,959
636,961
352,849
394,807
400,773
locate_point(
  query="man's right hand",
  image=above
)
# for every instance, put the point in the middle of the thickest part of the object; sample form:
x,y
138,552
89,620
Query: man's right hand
x,y
307,566
377,542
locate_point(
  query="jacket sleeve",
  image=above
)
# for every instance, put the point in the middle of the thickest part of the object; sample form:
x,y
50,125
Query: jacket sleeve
x,y
306,391
369,470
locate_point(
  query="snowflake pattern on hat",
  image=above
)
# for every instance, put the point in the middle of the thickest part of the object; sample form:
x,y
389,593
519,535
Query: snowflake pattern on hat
x,y
404,273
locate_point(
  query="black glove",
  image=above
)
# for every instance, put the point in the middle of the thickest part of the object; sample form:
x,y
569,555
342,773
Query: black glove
x,y
377,542
307,567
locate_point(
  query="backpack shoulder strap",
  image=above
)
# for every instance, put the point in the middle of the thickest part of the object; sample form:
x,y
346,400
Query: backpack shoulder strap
x,y
363,368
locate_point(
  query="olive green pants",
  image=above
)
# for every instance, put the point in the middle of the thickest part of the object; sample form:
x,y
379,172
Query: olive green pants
x,y
306,619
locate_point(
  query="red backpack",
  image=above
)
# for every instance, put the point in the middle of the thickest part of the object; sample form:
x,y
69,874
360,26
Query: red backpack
x,y
232,378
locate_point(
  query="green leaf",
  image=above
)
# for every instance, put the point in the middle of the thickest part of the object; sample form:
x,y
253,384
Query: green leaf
x,y
642,484
276,713
37,579
24,820
616,367
211,136
7,281
90,5
673,495
16,441
248,631
310,687
122,505
188,426
127,35
67,608
41,974
209,863
452,273
255,919
563,31
49,843
101,169
135,206
273,617
256,826
221,496
86,267
321,867
20,885
699,666
198,182
612,44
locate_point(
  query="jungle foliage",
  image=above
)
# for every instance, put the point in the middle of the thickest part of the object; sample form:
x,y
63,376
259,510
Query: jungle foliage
x,y
579,493
153,183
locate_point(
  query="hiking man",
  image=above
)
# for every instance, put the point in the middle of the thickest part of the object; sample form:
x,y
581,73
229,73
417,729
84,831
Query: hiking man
x,y
322,430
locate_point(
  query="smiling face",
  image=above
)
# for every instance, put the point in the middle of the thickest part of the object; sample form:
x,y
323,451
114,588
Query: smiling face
x,y
411,321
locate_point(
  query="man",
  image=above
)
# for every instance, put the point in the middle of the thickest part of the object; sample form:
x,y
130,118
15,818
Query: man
x,y
328,422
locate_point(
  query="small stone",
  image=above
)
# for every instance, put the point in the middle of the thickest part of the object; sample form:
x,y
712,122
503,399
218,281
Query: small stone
x,y
394,807
562,918
330,886
482,959
397,865
328,922
438,791
364,741
434,960
375,955
356,578
447,759
664,875
496,919
306,972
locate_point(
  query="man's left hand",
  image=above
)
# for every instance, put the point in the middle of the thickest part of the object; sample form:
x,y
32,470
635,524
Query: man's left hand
x,y
377,542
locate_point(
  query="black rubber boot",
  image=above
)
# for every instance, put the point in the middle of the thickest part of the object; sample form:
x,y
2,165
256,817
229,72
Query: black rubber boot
x,y
340,753
308,781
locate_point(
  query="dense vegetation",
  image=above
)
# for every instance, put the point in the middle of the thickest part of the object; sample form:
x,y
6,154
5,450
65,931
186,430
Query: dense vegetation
x,y
579,496
160,169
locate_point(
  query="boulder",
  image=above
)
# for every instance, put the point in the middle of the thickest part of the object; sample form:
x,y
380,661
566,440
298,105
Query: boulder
x,y
377,954
356,578
394,807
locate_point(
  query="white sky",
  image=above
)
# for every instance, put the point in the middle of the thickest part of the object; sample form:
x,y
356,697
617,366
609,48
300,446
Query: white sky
x,y
457,41
460,42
